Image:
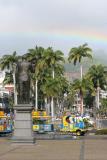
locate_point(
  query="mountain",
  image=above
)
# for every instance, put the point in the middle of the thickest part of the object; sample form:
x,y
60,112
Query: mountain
x,y
100,57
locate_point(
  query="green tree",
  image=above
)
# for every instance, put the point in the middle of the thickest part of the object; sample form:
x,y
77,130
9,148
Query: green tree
x,y
76,54
81,87
35,56
52,59
8,78
70,97
98,75
103,109
8,62
55,88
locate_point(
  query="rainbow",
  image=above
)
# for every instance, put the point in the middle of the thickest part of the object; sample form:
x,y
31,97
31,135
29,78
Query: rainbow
x,y
91,36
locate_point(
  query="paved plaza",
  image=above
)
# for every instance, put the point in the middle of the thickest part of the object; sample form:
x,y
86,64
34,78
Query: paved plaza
x,y
84,149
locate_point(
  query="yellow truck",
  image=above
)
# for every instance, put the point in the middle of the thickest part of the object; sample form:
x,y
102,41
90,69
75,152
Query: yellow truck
x,y
73,125
41,122
5,123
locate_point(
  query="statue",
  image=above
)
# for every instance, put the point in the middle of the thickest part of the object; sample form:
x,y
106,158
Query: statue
x,y
23,107
23,69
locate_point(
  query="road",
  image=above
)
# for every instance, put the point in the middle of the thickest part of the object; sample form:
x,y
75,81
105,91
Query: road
x,y
85,148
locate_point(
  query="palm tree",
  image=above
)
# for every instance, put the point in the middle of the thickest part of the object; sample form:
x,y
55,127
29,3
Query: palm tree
x,y
50,89
9,62
77,53
81,87
8,78
54,88
98,76
52,59
45,74
62,93
35,56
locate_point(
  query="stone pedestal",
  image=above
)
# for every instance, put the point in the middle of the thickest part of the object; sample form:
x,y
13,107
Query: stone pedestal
x,y
23,124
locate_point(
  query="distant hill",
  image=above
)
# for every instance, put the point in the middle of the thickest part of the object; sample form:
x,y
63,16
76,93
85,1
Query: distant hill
x,y
101,57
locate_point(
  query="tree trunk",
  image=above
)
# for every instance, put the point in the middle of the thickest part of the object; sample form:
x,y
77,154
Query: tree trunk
x,y
53,73
36,95
15,92
81,71
46,105
52,108
81,106
97,98
52,103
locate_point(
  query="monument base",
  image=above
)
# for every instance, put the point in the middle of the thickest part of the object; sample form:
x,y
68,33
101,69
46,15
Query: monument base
x,y
23,124
29,140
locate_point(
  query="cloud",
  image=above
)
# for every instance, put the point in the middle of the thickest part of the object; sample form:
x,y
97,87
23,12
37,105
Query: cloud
x,y
32,15
53,16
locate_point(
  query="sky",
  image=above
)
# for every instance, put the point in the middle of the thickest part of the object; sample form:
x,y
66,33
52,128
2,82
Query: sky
x,y
61,24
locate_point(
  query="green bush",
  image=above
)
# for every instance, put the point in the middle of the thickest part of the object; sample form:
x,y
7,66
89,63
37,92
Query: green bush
x,y
87,124
101,132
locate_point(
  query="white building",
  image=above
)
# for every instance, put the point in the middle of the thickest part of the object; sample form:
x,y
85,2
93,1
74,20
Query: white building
x,y
4,90
103,94
2,76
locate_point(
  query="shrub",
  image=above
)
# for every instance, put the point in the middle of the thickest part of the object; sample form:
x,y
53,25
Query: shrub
x,y
87,123
101,132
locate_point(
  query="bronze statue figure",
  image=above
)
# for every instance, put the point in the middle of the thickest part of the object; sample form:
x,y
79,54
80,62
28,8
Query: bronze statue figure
x,y
23,82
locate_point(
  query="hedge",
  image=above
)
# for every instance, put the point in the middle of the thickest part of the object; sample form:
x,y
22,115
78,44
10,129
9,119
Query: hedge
x,y
101,132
